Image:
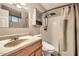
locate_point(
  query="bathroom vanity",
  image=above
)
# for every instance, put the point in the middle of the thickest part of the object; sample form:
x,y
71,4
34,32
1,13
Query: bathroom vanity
x,y
29,46
34,49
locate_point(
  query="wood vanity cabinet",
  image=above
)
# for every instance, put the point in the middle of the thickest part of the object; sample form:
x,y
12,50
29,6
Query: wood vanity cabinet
x,y
34,49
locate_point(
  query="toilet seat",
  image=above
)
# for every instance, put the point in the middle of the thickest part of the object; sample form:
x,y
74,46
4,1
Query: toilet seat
x,y
47,46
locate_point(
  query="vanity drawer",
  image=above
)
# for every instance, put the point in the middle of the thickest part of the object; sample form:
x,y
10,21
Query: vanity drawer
x,y
30,50
38,52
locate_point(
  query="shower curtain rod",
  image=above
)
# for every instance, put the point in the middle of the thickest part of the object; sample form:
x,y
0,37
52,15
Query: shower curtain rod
x,y
56,8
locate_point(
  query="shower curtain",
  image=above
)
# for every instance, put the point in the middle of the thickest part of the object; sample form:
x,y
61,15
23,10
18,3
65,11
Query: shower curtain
x,y
70,45
67,44
77,28
62,30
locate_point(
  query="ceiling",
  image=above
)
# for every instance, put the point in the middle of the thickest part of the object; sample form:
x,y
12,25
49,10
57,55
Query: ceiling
x,y
24,7
48,6
45,6
12,6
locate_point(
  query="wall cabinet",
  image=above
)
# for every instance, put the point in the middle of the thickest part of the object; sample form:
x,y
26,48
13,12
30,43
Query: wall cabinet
x,y
34,49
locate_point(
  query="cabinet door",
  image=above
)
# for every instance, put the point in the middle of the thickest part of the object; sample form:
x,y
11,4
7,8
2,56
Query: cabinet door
x,y
32,54
38,52
32,50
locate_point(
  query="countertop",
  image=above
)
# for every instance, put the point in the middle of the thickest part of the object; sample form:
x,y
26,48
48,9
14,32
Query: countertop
x,y
4,51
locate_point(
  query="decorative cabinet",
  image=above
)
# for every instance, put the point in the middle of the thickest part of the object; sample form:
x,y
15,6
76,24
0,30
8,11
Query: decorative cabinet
x,y
37,18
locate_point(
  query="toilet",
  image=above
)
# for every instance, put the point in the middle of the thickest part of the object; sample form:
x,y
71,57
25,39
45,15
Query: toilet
x,y
47,48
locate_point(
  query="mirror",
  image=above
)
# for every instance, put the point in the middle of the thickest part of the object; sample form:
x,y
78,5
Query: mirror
x,y
13,16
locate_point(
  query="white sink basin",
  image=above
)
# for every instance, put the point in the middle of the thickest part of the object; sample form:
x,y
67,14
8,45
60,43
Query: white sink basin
x,y
18,41
14,43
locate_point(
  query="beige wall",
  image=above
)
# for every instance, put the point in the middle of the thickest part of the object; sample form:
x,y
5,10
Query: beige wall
x,y
6,33
10,31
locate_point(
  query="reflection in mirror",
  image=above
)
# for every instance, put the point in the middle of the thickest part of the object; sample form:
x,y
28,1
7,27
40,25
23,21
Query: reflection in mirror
x,y
13,17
